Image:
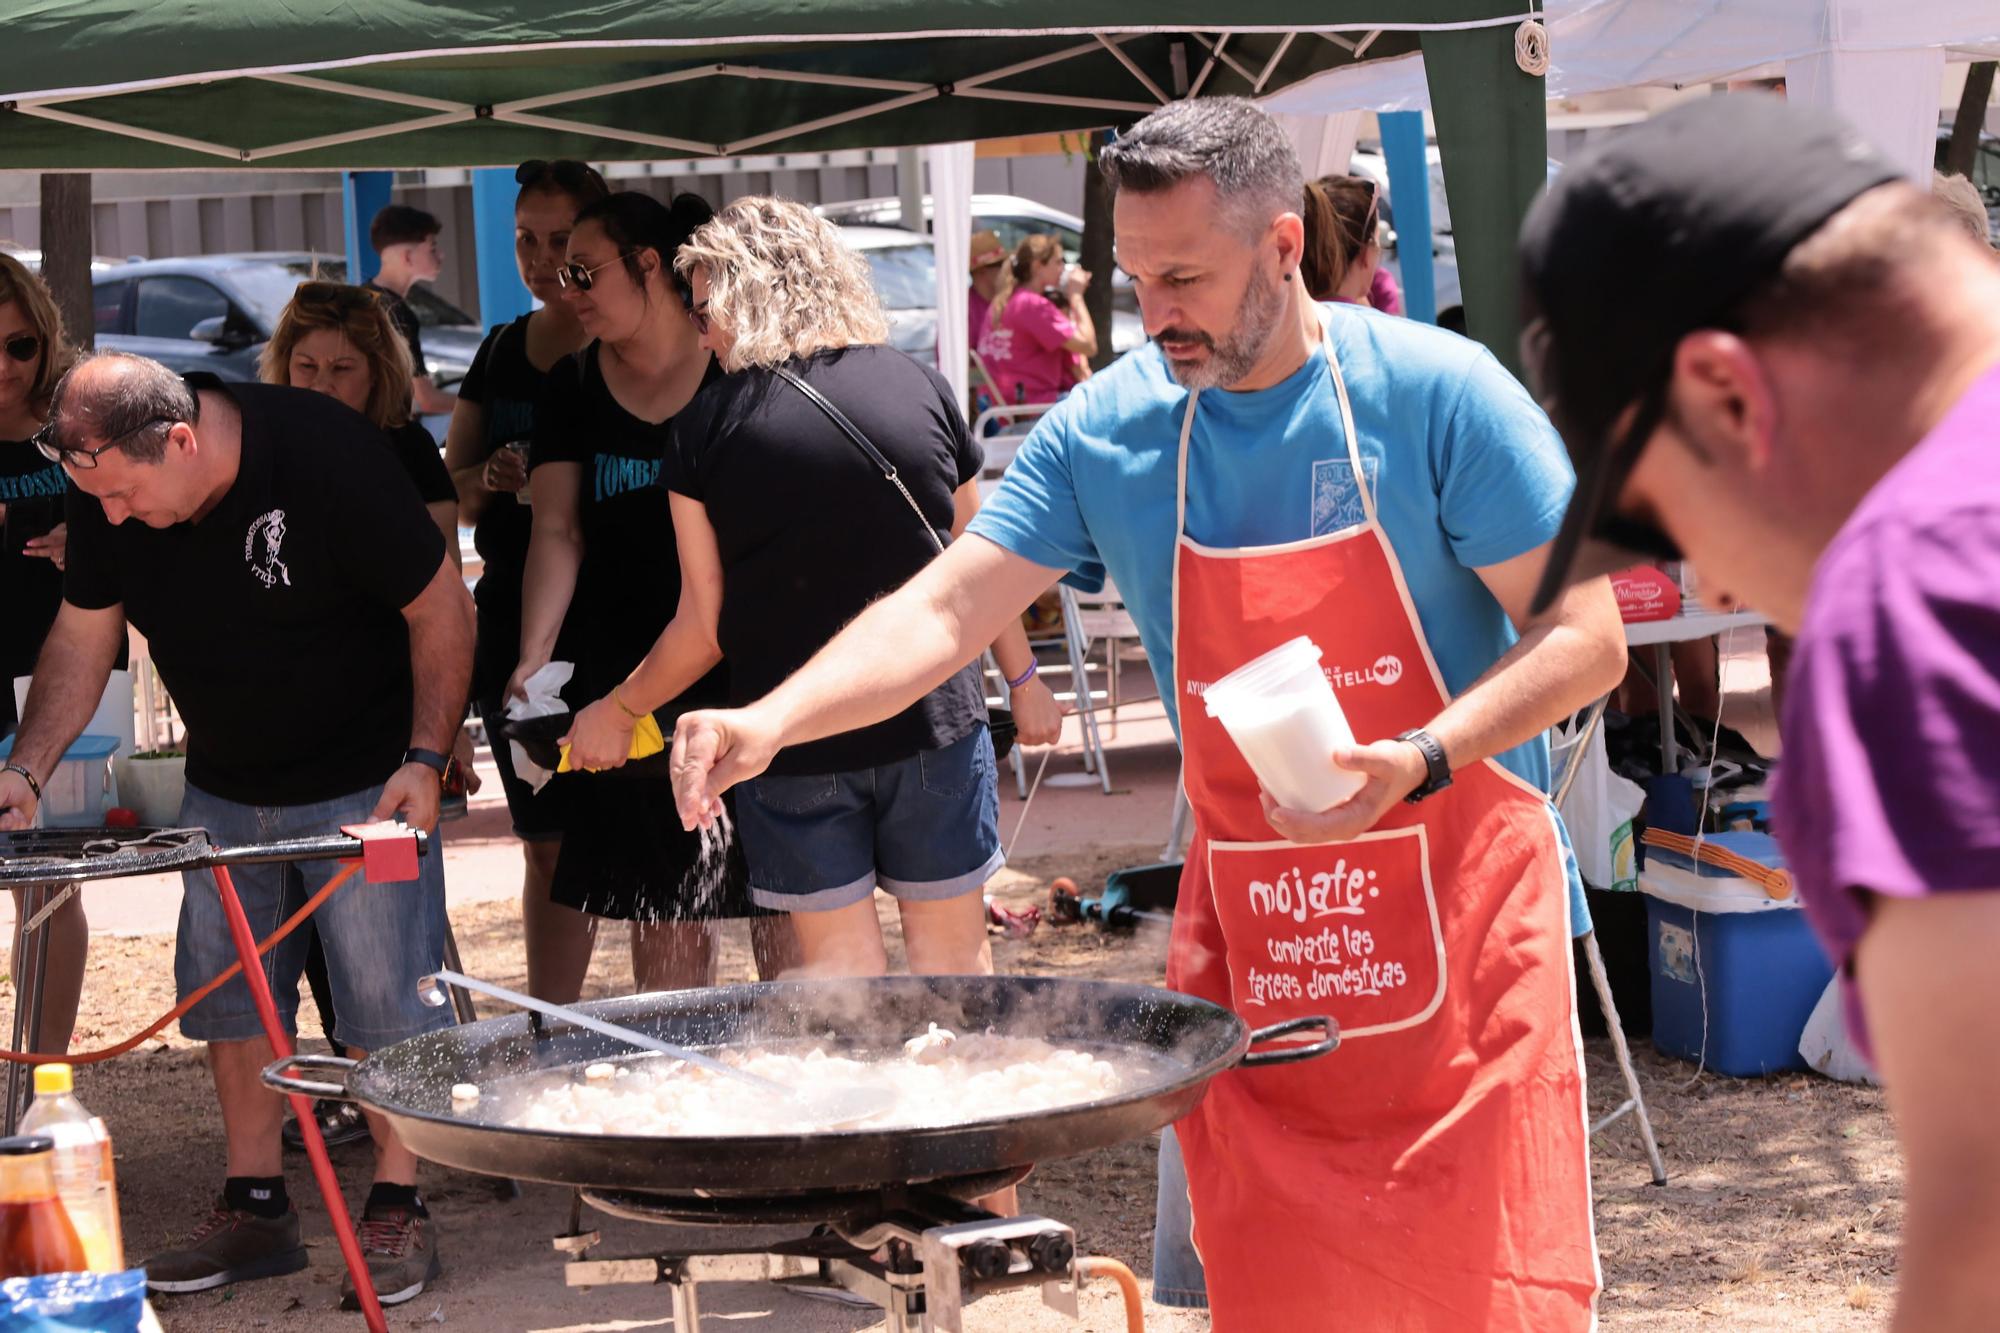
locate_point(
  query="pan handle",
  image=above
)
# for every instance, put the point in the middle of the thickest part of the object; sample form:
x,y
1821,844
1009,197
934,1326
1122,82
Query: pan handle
x,y
1289,1055
276,1077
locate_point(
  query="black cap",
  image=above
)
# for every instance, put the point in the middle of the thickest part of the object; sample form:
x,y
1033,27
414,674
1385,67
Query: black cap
x,y
1661,230
26,1145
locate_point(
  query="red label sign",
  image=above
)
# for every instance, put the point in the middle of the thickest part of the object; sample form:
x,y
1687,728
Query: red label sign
x,y
1645,593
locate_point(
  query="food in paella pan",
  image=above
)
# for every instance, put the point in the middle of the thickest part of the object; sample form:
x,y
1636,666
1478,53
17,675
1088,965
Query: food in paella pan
x,y
939,1078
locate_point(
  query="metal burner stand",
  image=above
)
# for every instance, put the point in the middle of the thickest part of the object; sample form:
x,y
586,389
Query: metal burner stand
x,y
918,1252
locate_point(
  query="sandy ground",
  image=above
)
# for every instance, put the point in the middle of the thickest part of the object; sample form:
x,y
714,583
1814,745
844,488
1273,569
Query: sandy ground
x,y
1782,1212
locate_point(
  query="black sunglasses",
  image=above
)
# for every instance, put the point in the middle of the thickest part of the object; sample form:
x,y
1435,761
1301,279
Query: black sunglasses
x,y
84,459
338,295
567,172
23,347
697,313
579,277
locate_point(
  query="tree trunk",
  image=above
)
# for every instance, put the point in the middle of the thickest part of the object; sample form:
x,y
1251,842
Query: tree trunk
x,y
1963,147
66,247
1097,249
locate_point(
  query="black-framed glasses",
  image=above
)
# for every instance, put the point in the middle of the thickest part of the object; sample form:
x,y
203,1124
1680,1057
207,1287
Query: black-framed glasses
x,y
23,347
697,311
83,459
579,277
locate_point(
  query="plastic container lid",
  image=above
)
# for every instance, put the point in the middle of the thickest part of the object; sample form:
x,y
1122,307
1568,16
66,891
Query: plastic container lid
x,y
52,1080
26,1145
83,747
1264,674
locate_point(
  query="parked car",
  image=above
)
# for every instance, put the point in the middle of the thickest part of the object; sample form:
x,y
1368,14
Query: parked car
x,y
216,312
904,264
1009,216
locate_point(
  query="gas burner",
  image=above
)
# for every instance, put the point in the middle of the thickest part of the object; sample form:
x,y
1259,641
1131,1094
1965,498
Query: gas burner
x,y
57,855
811,1208
918,1251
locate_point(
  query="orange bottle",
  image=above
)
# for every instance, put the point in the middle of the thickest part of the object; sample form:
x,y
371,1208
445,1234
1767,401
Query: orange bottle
x,y
35,1232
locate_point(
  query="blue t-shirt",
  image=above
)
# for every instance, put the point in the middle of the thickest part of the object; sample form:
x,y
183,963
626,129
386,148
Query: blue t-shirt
x,y
1465,471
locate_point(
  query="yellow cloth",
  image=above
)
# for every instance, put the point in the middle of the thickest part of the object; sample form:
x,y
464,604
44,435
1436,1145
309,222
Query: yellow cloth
x,y
646,741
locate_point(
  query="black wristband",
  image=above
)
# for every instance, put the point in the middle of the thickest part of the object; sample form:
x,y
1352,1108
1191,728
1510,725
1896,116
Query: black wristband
x,y
428,758
26,776
1437,768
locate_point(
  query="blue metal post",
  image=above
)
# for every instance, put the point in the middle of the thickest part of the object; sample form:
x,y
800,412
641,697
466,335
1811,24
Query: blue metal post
x,y
1410,189
502,296
363,194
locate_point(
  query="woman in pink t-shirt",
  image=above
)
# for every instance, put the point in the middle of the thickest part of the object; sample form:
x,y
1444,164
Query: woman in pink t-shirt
x,y
1343,254
1035,348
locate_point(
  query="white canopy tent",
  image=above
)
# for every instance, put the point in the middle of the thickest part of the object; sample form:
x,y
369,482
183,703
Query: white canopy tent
x,y
1879,63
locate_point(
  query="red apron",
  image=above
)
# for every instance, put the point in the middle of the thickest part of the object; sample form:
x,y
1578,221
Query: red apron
x,y
1432,1174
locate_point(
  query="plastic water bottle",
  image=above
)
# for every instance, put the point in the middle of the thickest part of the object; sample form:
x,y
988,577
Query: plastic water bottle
x,y
86,1180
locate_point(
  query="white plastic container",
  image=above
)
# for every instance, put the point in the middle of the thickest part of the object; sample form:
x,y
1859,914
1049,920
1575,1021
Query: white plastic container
x,y
82,787
1280,711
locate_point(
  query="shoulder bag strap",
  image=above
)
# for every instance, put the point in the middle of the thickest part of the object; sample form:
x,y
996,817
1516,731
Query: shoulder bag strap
x,y
853,433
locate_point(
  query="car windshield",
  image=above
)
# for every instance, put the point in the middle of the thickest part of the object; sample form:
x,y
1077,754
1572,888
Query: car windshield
x,y
269,286
905,276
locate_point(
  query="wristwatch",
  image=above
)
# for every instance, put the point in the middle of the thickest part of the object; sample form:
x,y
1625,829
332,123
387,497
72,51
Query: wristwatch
x,y
428,758
1438,769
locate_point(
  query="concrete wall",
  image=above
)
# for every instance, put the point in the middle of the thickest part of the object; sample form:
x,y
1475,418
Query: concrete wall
x,y
152,215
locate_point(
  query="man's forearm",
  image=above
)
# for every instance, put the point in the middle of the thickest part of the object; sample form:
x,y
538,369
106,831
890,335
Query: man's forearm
x,y
441,634
1556,668
907,644
70,674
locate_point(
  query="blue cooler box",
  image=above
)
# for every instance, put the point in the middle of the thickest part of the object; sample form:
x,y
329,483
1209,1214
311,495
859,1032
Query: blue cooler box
x,y
1735,972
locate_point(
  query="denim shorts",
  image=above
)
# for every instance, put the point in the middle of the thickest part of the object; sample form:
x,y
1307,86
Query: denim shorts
x,y
379,938
1178,1278
925,828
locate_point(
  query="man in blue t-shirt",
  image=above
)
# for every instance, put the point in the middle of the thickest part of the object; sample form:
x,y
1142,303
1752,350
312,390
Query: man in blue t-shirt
x,y
1270,469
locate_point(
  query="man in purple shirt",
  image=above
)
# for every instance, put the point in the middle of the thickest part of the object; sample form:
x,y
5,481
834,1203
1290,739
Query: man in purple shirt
x,y
1796,383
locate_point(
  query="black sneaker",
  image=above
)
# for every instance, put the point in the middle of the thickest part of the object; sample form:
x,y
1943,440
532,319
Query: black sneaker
x,y
339,1122
232,1246
401,1250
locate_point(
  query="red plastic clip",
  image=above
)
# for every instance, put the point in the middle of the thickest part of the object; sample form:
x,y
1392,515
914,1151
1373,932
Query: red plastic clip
x,y
388,851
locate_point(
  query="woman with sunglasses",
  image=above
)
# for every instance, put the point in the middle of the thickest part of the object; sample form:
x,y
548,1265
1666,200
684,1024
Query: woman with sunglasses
x,y
788,529
603,582
33,356
1342,260
486,450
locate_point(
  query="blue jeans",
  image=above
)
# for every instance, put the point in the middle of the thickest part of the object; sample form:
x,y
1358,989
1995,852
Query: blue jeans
x,y
1178,1279
925,828
379,938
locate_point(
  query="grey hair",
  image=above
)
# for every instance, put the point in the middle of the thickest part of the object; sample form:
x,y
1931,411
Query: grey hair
x,y
114,396
1230,140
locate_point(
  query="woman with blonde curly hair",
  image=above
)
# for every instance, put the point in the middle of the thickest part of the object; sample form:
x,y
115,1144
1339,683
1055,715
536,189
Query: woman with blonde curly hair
x,y
339,341
33,541
787,527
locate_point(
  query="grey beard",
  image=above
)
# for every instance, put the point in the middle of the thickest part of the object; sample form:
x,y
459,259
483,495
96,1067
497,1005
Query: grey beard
x,y
1235,356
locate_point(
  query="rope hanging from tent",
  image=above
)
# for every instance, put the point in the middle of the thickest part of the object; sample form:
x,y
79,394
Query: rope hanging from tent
x,y
1531,46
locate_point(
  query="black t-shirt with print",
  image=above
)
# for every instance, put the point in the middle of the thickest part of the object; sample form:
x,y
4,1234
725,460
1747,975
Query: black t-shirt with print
x,y
417,450
630,583
810,531
276,620
32,489
508,389
405,320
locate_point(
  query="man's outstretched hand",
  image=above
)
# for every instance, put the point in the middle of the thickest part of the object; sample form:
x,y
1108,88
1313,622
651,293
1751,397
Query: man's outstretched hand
x,y
713,751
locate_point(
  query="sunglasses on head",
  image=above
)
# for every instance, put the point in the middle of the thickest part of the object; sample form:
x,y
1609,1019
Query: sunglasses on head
x,y
56,451
337,295
23,347
564,171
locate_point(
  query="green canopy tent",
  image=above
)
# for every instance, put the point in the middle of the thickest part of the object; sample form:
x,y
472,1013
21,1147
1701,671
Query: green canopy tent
x,y
151,84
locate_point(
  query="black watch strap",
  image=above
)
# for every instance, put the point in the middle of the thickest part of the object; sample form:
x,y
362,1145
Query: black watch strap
x,y
428,758
1437,768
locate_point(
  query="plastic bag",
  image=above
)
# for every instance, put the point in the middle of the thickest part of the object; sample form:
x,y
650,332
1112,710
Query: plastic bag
x,y
1598,811
544,697
75,1303
1826,1046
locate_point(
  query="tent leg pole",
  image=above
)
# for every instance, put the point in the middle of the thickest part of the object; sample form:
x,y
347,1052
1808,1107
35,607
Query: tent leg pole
x,y
1602,984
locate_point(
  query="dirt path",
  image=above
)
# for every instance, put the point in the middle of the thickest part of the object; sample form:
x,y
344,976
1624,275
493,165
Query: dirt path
x,y
1782,1213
